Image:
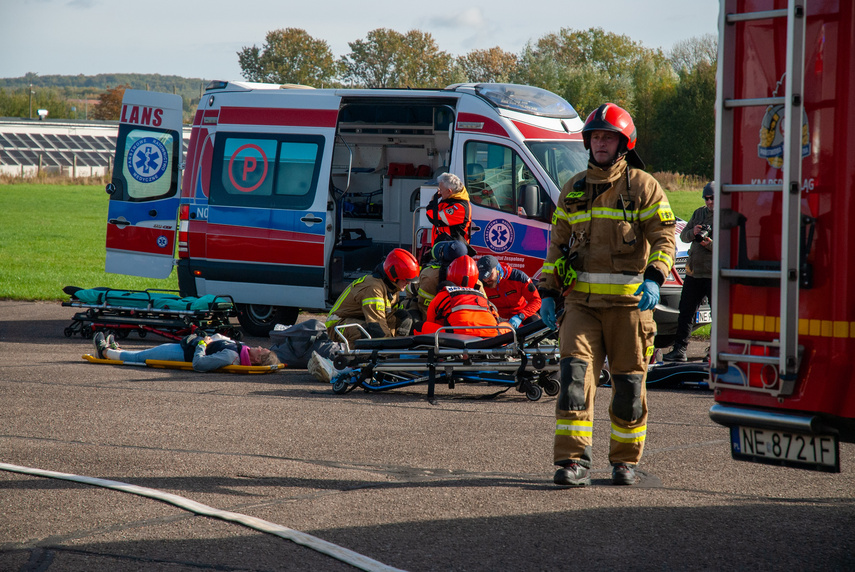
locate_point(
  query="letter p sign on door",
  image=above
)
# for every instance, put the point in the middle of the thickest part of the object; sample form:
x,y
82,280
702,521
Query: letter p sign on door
x,y
249,174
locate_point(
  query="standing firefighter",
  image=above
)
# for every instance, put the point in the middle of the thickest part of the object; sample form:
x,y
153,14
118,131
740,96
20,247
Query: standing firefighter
x,y
612,246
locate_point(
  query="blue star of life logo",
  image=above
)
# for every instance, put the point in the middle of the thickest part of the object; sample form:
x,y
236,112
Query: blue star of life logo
x,y
147,160
499,235
162,241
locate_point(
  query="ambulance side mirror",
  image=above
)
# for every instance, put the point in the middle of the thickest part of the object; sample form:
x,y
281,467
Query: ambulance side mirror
x,y
531,201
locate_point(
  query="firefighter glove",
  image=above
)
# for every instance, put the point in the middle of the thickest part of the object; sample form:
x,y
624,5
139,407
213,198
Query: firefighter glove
x,y
547,313
515,321
649,292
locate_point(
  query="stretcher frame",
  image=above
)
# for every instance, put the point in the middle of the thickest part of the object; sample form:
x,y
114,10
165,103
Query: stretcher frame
x,y
525,360
113,317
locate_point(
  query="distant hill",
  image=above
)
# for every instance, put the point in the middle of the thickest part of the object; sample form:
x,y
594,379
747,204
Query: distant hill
x,y
88,87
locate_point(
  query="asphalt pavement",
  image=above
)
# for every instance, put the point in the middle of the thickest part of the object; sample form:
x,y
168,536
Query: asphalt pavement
x,y
383,480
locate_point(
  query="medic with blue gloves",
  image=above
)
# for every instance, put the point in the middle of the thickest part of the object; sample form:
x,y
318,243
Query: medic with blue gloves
x,y
510,290
611,247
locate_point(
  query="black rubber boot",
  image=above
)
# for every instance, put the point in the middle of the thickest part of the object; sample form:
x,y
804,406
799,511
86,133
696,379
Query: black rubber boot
x,y
677,354
572,475
623,474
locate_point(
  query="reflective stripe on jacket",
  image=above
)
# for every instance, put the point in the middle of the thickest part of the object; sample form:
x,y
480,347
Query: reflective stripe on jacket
x,y
367,298
618,227
457,306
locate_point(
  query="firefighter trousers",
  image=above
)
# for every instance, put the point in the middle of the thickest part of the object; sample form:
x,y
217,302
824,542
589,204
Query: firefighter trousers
x,y
588,336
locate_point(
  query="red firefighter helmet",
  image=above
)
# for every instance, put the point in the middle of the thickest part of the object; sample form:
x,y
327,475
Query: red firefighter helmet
x,y
464,272
400,264
610,117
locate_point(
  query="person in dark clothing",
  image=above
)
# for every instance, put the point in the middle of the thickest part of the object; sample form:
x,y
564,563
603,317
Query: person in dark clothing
x,y
698,281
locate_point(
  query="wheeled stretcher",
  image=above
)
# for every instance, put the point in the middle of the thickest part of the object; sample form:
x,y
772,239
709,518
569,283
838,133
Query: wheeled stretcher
x,y
142,311
526,360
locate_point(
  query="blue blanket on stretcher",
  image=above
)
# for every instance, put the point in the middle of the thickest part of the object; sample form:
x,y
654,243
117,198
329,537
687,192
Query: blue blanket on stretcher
x,y
158,300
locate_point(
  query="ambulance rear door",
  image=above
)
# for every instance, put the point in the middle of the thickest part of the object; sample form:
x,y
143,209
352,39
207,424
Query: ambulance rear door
x,y
141,219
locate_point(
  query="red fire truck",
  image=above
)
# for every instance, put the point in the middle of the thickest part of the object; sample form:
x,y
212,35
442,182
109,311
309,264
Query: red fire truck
x,y
784,292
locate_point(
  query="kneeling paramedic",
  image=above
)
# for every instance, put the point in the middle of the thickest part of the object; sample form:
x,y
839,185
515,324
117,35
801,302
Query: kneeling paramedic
x,y
510,290
370,301
612,245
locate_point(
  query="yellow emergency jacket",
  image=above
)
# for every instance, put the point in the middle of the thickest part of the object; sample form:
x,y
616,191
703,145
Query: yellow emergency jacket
x,y
619,230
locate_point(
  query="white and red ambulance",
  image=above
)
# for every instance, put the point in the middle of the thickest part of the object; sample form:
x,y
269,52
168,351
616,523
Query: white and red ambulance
x,y
289,193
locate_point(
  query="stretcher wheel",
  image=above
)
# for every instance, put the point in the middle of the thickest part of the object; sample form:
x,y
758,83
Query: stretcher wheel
x,y
340,362
121,334
534,392
68,332
142,333
550,386
340,384
538,361
86,332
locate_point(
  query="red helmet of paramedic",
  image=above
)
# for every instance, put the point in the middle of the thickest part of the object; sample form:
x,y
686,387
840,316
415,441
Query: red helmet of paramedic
x,y
610,117
400,264
464,272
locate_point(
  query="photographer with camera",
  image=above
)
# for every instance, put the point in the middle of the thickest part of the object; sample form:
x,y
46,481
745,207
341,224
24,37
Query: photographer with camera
x,y
698,280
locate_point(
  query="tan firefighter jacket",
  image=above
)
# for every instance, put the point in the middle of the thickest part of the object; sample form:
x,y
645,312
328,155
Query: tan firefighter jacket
x,y
618,231
367,298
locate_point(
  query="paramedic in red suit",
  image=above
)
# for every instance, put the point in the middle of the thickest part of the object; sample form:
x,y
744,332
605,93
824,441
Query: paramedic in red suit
x,y
458,303
510,290
449,211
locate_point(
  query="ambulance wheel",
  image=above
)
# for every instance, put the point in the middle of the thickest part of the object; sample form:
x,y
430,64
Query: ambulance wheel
x,y
550,386
258,319
534,392
340,384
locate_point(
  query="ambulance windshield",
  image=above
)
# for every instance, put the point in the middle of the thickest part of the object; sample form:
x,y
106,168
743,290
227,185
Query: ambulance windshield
x,y
561,159
526,99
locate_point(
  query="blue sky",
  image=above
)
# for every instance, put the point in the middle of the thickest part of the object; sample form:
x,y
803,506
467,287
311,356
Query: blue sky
x,y
201,38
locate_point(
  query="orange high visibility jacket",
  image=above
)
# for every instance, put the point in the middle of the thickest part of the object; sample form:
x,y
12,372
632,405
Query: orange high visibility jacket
x,y
451,217
458,306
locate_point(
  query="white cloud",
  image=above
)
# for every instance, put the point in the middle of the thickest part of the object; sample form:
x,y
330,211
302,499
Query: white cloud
x,y
468,19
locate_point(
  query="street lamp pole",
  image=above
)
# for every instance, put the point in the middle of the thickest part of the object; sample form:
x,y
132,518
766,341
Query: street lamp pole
x,y
31,101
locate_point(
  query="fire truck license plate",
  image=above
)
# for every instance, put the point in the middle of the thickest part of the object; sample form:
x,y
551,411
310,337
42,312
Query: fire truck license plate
x,y
703,317
817,452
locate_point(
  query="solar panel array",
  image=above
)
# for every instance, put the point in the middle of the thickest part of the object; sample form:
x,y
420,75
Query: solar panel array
x,y
56,150
57,147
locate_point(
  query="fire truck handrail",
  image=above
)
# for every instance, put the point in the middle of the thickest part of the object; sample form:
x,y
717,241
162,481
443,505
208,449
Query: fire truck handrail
x,y
740,273
750,188
748,358
762,15
753,102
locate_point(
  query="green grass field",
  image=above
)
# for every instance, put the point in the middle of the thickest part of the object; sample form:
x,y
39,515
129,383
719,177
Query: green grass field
x,y
53,236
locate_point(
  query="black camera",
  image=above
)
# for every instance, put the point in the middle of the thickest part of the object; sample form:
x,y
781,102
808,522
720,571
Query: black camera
x,y
705,232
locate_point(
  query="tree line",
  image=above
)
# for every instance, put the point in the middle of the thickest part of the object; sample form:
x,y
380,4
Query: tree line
x,y
89,96
670,96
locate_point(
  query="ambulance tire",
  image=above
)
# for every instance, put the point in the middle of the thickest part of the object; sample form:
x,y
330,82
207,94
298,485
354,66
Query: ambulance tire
x,y
258,319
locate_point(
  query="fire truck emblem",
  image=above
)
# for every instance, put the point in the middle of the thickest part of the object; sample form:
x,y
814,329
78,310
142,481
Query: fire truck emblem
x,y
499,235
771,145
147,160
